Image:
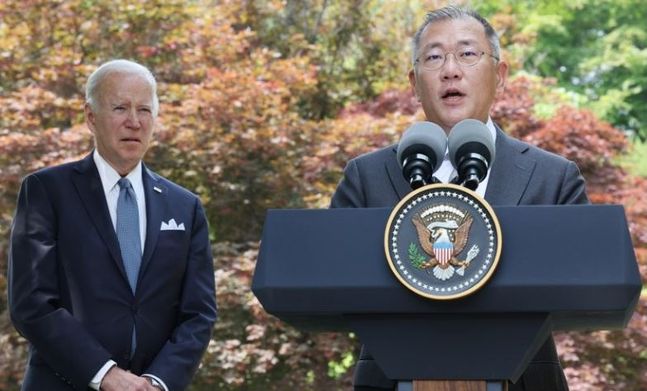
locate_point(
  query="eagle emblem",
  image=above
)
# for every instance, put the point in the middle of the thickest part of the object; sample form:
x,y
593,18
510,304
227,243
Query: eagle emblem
x,y
442,241
443,233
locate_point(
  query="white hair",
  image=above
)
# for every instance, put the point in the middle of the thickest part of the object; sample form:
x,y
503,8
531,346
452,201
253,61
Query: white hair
x,y
119,66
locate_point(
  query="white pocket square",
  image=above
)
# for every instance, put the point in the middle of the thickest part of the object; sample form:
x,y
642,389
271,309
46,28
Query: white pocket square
x,y
171,226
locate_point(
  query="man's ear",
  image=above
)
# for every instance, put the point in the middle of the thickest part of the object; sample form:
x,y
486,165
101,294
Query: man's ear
x,y
501,75
413,83
90,118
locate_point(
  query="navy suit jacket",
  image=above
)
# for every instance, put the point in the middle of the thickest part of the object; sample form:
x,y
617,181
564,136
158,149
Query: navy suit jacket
x,y
68,291
520,175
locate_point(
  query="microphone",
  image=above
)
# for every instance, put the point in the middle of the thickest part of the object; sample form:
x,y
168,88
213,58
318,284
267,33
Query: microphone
x,y
420,151
471,151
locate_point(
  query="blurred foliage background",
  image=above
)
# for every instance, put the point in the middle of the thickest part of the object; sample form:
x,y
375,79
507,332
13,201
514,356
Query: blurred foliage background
x,y
263,102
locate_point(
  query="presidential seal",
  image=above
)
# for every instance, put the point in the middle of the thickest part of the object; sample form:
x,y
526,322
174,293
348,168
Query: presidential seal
x,y
443,241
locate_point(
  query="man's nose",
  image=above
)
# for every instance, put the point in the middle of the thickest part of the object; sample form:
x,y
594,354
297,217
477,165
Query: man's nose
x,y
451,69
133,120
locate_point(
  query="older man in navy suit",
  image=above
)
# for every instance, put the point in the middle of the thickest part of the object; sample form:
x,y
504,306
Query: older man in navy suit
x,y
110,269
457,70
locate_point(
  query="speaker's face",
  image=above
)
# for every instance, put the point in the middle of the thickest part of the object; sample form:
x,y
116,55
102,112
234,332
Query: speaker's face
x,y
455,76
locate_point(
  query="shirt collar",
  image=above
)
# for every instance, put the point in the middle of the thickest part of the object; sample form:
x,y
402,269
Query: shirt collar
x,y
492,128
109,176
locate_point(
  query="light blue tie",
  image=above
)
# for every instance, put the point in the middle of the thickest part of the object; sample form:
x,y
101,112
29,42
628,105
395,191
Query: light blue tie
x,y
128,231
129,239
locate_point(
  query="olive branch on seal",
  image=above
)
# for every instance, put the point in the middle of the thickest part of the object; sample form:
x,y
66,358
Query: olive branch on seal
x,y
416,258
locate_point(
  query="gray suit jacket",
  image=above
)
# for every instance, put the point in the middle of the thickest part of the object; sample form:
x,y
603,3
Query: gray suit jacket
x,y
520,175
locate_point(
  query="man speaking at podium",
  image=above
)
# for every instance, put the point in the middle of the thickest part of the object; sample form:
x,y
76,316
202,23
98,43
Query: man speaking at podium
x,y
457,71
110,268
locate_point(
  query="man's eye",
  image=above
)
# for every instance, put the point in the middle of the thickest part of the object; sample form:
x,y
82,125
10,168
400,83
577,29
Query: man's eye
x,y
145,109
433,57
469,53
119,108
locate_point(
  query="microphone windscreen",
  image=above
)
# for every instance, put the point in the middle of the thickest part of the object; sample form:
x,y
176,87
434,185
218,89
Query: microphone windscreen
x,y
425,138
475,136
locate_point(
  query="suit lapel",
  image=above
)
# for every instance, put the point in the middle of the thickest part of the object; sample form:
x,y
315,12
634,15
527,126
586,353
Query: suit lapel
x,y
156,195
510,172
394,171
88,186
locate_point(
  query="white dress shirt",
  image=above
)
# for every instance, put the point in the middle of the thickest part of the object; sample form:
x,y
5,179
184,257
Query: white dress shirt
x,y
109,181
447,171
109,178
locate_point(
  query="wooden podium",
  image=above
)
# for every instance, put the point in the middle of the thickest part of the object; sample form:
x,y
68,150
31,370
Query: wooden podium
x,y
561,268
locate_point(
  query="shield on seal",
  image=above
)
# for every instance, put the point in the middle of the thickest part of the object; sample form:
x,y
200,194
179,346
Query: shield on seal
x,y
443,251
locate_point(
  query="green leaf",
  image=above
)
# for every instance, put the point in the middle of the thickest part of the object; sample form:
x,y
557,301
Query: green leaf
x,y
416,258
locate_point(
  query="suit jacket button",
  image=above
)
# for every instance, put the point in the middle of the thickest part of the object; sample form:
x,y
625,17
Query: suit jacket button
x,y
134,308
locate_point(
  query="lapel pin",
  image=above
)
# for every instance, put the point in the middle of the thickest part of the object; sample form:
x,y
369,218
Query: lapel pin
x,y
157,189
